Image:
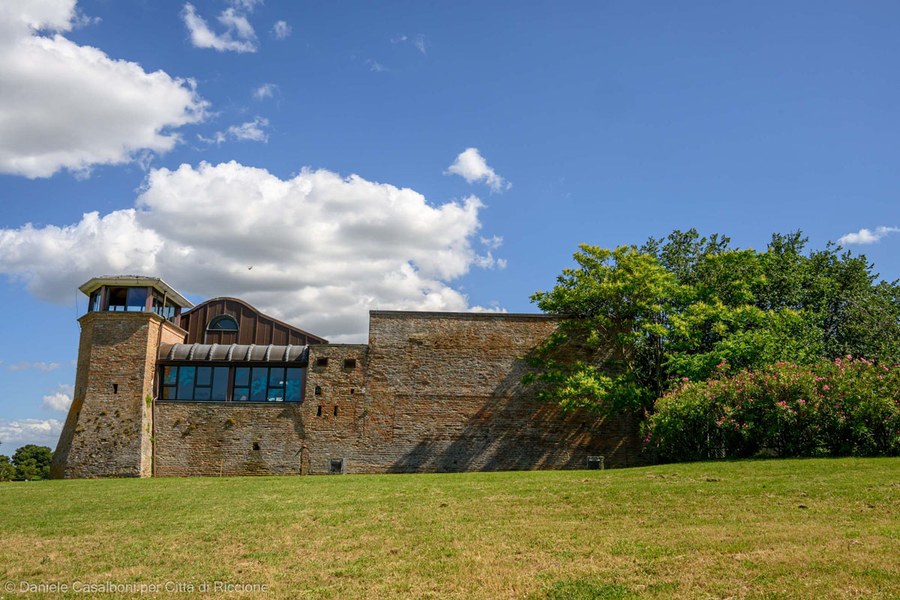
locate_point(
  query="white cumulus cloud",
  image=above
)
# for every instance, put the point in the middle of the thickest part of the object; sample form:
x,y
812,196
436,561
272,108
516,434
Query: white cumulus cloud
x,y
375,66
114,243
266,90
493,242
471,166
251,131
281,30
65,106
238,23
238,35
60,400
867,236
488,261
246,5
41,432
317,249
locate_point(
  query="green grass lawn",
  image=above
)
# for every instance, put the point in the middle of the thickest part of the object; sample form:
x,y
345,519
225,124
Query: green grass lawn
x,y
772,529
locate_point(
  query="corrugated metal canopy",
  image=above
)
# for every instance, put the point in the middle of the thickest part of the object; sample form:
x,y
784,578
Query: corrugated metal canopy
x,y
298,355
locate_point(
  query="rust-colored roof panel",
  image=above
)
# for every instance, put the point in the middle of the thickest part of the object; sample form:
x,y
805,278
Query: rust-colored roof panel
x,y
254,327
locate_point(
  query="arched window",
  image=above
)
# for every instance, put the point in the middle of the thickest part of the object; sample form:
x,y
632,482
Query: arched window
x,y
222,323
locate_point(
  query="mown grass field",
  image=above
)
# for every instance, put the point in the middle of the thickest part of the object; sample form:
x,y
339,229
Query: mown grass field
x,y
755,529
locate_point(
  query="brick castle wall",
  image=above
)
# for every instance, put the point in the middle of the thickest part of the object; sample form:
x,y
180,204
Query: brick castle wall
x,y
430,392
446,395
108,429
279,438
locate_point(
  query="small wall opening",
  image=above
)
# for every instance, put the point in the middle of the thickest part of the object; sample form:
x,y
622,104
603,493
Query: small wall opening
x,y
318,391
335,410
319,411
337,466
322,362
115,388
349,363
256,446
595,462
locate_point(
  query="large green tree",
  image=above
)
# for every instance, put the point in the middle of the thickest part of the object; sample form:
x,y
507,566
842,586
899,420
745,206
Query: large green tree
x,y
679,307
7,469
32,462
610,350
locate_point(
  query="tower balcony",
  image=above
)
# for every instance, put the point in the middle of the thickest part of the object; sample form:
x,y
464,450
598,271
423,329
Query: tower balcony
x,y
134,293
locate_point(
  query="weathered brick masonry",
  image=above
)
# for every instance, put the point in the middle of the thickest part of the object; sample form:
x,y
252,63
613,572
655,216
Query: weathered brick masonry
x,y
110,435
285,438
451,386
430,392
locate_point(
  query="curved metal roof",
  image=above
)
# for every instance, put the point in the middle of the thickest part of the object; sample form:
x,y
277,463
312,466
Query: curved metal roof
x,y
198,309
234,353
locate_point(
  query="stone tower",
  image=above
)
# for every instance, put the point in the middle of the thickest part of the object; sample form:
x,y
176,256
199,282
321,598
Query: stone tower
x,y
108,431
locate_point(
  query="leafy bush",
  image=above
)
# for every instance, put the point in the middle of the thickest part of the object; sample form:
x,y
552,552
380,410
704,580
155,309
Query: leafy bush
x,y
833,408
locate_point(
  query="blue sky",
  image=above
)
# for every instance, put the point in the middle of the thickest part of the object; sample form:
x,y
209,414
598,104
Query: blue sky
x,y
414,155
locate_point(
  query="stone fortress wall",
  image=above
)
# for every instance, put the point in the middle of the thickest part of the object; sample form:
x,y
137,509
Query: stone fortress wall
x,y
430,392
111,433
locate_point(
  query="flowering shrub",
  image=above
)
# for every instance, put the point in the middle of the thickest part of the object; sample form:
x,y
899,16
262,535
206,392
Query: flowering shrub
x,y
845,407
